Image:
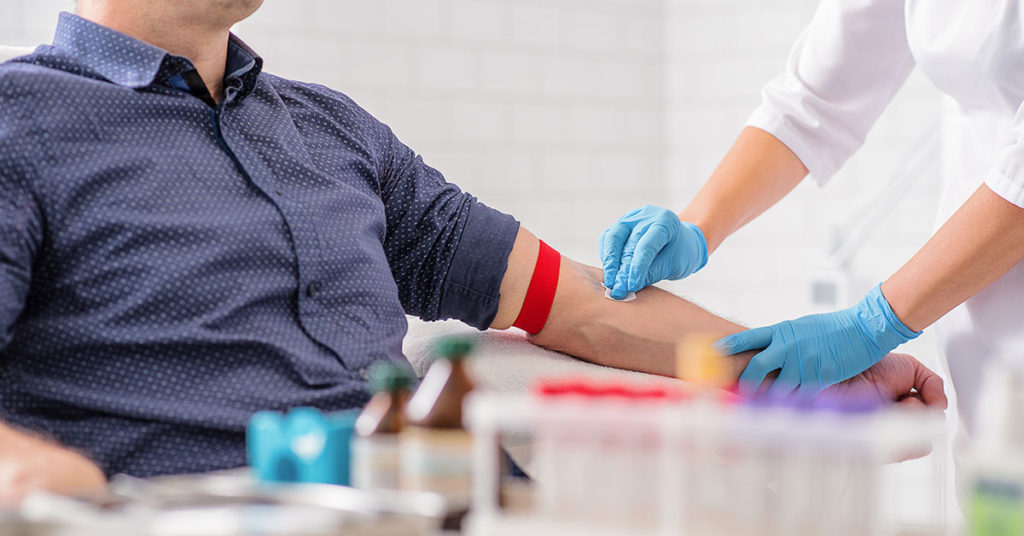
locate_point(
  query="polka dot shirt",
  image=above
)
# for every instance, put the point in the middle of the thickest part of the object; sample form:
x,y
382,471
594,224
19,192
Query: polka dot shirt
x,y
170,265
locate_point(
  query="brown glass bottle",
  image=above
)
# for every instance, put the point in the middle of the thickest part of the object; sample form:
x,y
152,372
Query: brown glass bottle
x,y
375,454
435,447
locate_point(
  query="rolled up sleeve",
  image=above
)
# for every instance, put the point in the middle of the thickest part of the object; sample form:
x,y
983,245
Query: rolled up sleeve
x,y
448,252
842,72
1006,177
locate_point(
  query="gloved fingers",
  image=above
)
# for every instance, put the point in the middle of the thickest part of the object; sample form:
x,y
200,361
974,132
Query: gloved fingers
x,y
787,380
609,263
751,339
648,247
620,289
808,390
760,365
636,211
612,241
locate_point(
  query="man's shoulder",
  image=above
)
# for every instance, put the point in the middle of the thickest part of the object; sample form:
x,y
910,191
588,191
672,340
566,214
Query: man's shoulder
x,y
317,97
21,83
36,74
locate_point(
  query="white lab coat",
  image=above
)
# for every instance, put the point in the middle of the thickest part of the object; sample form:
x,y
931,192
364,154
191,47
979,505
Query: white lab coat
x,y
844,70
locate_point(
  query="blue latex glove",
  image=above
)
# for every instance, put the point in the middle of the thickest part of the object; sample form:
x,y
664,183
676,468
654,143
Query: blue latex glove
x,y
647,245
817,351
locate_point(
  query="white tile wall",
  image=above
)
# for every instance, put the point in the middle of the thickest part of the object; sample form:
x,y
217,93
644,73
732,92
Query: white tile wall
x,y
568,113
543,108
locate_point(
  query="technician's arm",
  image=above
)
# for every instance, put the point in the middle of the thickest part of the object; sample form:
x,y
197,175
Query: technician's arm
x,y
975,247
842,72
28,463
756,173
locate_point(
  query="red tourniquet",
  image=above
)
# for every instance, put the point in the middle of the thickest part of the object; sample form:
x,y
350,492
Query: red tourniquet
x,y
541,292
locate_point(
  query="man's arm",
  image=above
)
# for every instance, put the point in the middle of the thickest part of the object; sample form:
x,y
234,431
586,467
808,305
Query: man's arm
x,y
642,334
639,335
29,463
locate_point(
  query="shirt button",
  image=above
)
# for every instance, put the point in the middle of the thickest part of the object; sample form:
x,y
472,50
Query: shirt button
x,y
312,289
277,192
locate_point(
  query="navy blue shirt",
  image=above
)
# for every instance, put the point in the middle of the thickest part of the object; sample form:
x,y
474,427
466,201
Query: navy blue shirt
x,y
170,265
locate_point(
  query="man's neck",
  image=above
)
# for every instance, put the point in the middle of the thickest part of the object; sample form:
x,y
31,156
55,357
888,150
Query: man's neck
x,y
178,33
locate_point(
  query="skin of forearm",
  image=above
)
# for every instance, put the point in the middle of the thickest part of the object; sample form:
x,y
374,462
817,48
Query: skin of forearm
x,y
643,334
517,278
756,173
982,241
639,335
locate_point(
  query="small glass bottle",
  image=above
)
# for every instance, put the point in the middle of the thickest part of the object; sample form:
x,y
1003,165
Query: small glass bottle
x,y
435,447
375,458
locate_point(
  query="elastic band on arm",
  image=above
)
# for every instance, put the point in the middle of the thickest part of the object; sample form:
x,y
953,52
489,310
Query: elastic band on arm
x,y
541,292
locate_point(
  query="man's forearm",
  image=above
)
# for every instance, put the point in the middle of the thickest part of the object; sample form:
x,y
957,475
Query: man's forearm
x,y
643,334
638,335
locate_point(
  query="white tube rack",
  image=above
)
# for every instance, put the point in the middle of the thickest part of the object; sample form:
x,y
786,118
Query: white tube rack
x,y
618,466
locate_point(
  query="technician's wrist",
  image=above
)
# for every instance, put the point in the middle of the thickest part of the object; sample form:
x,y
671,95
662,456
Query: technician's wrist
x,y
700,246
878,318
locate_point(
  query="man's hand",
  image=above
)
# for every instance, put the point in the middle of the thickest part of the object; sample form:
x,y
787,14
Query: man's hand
x,y
898,379
30,464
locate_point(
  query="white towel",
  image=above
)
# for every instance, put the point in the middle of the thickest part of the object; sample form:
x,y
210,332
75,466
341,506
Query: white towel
x,y
506,361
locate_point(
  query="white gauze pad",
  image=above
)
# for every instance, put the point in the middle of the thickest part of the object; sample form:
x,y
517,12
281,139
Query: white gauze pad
x,y
629,297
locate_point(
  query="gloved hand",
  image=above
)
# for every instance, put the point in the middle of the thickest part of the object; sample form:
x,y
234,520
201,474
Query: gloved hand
x,y
647,245
817,351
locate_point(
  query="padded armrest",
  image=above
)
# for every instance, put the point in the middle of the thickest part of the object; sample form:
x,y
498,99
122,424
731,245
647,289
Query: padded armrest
x,y
8,52
506,361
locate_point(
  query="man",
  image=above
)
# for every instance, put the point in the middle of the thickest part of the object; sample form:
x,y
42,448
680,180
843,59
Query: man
x,y
185,239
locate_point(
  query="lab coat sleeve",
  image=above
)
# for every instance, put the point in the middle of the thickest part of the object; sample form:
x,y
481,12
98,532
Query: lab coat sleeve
x,y
1006,177
842,72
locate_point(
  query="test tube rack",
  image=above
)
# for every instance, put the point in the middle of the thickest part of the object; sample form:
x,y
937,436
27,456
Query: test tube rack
x,y
642,461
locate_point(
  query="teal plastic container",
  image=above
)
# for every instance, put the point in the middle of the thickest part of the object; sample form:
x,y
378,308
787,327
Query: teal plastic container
x,y
306,445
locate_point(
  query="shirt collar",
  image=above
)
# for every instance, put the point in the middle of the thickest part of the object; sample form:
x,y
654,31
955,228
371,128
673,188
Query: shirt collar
x,y
130,62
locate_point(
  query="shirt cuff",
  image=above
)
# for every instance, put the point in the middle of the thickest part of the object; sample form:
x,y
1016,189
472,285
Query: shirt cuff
x,y
1006,186
472,289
